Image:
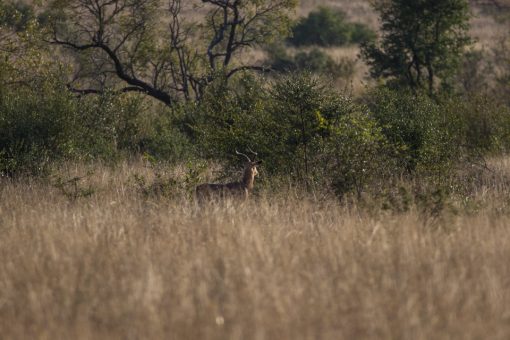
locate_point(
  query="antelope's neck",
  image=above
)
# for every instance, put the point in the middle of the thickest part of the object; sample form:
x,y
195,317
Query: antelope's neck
x,y
248,179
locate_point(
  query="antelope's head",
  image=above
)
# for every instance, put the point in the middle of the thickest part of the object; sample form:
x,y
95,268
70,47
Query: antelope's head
x,y
250,168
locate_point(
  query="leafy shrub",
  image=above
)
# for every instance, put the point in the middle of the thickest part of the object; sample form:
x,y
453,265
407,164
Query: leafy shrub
x,y
315,61
361,33
228,118
163,141
46,123
324,27
97,133
356,154
424,133
300,107
16,15
474,74
328,27
113,123
300,127
279,59
501,67
484,124
421,45
35,128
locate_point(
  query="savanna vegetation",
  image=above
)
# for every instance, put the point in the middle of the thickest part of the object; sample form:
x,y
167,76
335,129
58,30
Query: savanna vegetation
x,y
378,212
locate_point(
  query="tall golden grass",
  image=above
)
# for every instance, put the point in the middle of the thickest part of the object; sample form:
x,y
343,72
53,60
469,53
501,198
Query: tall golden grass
x,y
123,265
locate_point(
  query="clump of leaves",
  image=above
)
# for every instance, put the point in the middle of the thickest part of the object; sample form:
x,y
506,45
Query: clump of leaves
x,y
422,42
329,27
315,61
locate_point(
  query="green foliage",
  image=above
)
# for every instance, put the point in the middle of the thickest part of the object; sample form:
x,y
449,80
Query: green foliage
x,y
328,27
356,153
502,68
422,42
16,15
300,107
160,139
35,128
323,27
113,123
48,123
424,134
306,132
473,77
361,33
98,132
228,118
301,129
484,124
315,61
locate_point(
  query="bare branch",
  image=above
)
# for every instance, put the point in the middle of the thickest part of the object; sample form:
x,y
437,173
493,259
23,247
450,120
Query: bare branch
x,y
124,40
83,92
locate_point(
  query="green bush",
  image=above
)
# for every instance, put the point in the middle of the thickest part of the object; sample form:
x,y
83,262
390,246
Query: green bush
x,y
47,123
474,74
16,15
163,141
356,154
361,33
424,133
228,118
319,62
300,108
328,27
116,124
301,128
422,43
305,131
35,128
97,133
484,124
279,59
315,61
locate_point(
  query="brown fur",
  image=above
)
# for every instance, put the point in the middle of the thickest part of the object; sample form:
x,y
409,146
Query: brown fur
x,y
236,190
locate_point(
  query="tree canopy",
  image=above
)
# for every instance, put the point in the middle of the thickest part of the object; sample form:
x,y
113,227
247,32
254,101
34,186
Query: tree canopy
x,y
152,47
422,41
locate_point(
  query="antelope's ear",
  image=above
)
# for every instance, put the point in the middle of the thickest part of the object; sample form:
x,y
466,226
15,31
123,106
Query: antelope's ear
x,y
258,162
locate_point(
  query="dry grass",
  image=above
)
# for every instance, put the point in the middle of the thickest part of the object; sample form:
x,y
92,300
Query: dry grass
x,y
119,265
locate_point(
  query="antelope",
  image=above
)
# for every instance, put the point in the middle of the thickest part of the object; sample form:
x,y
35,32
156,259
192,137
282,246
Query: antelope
x,y
237,190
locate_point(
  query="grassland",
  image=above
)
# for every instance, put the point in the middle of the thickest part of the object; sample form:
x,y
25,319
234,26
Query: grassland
x,y
122,264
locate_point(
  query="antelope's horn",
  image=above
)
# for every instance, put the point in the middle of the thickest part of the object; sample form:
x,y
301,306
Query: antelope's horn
x,y
242,154
253,152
